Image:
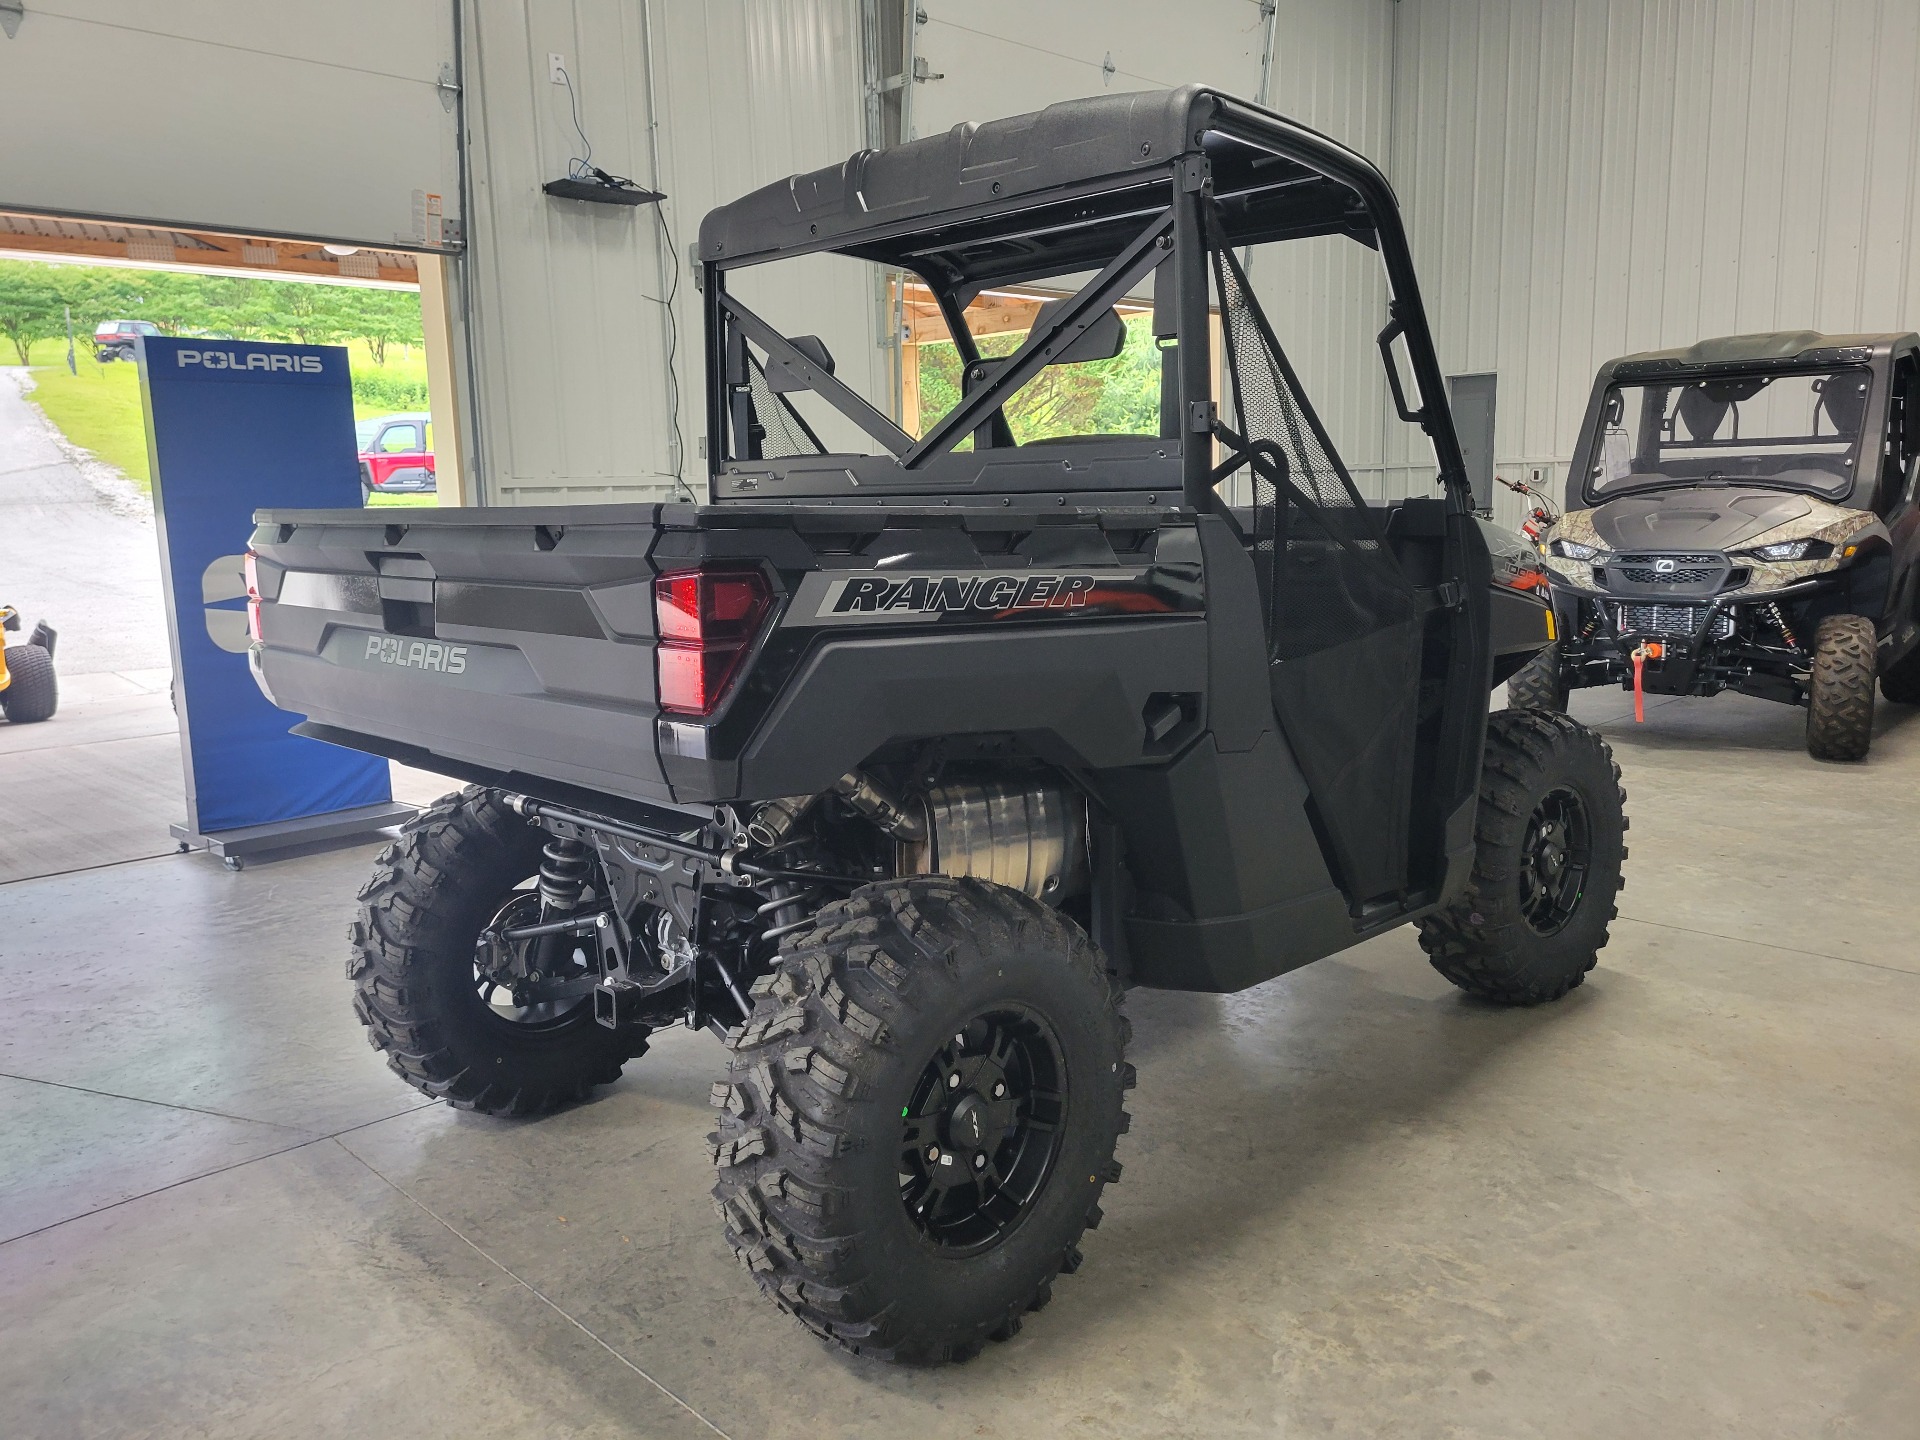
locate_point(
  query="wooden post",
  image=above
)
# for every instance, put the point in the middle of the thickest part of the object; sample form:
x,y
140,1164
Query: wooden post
x,y
443,401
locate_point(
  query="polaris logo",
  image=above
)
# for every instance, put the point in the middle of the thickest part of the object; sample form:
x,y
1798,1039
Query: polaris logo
x,y
953,594
229,360
417,654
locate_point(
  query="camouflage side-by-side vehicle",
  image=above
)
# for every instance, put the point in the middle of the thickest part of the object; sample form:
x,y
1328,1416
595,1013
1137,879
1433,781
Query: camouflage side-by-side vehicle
x,y
1742,515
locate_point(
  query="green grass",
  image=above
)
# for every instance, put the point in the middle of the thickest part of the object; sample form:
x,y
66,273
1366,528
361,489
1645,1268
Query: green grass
x,y
99,408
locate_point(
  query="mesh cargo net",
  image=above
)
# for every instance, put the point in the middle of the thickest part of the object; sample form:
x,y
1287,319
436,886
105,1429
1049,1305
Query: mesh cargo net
x,y
1343,622
780,432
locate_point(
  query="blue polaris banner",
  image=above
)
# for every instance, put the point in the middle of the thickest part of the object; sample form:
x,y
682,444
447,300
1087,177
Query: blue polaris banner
x,y
232,426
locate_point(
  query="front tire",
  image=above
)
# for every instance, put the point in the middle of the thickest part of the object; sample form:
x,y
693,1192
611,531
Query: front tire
x,y
1539,684
454,868
1550,840
34,693
920,1116
1840,689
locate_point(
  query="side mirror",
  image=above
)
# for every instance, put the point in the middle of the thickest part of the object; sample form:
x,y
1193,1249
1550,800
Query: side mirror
x,y
1103,339
783,379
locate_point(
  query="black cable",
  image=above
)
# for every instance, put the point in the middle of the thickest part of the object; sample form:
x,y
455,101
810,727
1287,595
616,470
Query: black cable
x,y
673,350
581,167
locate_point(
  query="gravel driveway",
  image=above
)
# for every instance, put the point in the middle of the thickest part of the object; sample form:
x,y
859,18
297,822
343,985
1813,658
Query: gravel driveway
x,y
76,549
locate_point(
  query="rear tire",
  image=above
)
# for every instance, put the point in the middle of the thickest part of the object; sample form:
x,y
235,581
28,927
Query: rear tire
x,y
1539,684
433,890
1901,682
1840,691
837,1199
1550,840
34,692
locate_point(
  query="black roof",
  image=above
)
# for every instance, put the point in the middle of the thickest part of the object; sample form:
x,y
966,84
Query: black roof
x,y
1077,162
1767,347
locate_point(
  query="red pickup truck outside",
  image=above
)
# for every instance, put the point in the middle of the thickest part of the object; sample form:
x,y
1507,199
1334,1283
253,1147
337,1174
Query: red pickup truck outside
x,y
396,455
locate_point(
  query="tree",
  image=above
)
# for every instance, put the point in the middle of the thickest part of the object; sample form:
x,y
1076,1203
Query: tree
x,y
383,318
240,307
1120,396
31,306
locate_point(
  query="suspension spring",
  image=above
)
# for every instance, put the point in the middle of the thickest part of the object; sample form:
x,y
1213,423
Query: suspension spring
x,y
1593,624
1780,624
564,868
787,910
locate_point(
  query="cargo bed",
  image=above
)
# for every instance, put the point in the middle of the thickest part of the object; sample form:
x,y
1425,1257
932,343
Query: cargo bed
x,y
517,646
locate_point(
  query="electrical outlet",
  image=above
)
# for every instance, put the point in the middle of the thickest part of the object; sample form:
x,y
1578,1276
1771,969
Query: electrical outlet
x,y
557,68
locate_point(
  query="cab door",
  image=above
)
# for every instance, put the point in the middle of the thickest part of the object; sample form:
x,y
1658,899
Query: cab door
x,y
1900,501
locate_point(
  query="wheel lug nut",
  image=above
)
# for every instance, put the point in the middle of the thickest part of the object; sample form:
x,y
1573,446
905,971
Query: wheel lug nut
x,y
979,1162
953,1082
999,1089
960,1040
933,1152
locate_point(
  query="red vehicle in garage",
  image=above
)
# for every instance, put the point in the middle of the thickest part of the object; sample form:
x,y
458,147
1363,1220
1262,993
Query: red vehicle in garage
x,y
396,455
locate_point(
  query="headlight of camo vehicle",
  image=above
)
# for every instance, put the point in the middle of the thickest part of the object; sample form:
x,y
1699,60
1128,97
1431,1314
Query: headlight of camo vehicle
x,y
1574,550
1792,550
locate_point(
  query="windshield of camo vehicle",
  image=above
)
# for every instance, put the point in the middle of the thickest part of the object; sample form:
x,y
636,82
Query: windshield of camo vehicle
x,y
1798,431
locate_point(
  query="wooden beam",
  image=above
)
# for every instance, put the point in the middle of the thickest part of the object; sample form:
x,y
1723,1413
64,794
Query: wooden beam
x,y
31,237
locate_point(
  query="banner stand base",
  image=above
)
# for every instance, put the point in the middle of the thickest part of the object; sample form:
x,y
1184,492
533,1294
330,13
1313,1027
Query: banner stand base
x,y
236,847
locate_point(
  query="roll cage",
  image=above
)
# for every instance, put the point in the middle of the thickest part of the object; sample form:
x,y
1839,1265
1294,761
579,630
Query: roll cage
x,y
1125,185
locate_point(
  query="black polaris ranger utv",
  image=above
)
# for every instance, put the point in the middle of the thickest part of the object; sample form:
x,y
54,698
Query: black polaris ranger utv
x,y
1751,525
899,761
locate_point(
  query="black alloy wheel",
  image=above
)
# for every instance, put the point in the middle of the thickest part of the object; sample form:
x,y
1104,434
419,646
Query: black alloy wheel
x,y
982,1129
1554,859
550,992
1549,843
919,1116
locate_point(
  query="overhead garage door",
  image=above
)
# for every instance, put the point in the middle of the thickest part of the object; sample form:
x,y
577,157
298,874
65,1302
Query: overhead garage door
x,y
315,121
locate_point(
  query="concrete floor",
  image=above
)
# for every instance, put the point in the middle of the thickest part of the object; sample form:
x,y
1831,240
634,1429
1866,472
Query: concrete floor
x,y
1682,1202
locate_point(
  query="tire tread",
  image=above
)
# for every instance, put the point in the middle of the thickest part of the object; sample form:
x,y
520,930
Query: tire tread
x,y
1840,689
1474,941
803,1064
390,964
33,693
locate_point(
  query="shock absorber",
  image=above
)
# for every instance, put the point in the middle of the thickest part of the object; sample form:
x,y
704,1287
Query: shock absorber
x,y
564,867
1780,624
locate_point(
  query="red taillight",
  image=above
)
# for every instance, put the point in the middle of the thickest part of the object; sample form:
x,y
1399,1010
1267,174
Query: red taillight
x,y
253,601
707,619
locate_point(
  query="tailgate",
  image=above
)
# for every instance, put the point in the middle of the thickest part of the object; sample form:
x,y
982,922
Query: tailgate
x,y
517,641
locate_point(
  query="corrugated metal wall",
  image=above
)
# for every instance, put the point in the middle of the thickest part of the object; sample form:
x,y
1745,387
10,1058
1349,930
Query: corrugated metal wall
x,y
1327,298
1582,178
1586,178
1006,57
564,300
